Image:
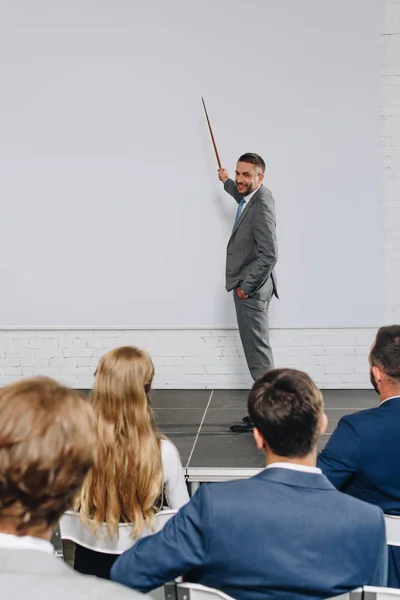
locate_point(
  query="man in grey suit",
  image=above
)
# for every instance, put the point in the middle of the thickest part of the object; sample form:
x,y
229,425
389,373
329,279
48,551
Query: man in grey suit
x,y
47,444
252,253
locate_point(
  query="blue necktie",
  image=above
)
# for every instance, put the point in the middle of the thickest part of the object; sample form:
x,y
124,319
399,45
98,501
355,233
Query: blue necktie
x,y
239,210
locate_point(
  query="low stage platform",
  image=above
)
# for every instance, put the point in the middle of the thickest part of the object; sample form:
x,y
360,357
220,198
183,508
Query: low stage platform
x,y
197,421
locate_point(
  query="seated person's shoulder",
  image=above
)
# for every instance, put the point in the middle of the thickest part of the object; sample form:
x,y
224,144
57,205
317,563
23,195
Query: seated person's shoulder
x,y
109,589
87,587
236,490
357,421
358,510
168,449
364,423
170,456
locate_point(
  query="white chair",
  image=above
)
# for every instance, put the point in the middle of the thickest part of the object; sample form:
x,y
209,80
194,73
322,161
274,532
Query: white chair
x,y
72,528
192,591
57,543
392,525
380,593
356,594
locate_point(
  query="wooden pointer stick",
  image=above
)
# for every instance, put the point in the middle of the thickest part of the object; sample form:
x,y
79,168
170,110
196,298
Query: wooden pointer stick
x,y
211,133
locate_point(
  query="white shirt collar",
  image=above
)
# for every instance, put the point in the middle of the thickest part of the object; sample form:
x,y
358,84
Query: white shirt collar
x,y
386,399
25,542
249,196
294,467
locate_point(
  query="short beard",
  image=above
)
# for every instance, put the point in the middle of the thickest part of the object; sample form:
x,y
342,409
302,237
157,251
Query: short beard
x,y
252,189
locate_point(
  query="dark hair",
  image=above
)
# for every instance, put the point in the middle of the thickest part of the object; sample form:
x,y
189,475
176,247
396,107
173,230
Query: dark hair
x,y
253,159
286,407
385,353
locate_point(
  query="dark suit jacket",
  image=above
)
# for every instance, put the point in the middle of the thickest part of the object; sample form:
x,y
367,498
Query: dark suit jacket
x,y
362,458
281,534
252,249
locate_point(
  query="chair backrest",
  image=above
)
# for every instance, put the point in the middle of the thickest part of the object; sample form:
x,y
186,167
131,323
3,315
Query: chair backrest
x,y
392,525
380,593
192,591
72,528
356,594
56,541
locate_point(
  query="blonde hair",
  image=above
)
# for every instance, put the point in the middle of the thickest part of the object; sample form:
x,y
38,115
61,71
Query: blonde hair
x,y
47,443
127,476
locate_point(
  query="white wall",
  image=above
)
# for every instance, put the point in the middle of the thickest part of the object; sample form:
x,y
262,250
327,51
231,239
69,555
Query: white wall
x,y
108,176
203,358
390,162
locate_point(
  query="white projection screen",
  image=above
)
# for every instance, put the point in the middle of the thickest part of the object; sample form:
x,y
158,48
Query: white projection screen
x,y
112,212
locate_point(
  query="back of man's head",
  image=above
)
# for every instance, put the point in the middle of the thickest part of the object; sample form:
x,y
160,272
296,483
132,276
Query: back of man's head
x,y
385,355
286,407
47,443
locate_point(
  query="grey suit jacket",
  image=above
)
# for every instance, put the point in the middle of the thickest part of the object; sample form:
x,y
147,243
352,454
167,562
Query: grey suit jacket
x,y
252,249
36,575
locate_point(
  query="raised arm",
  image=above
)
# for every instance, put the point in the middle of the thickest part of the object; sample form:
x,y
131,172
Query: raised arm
x,y
229,184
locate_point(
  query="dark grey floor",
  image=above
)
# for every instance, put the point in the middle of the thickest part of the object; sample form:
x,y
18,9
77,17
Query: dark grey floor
x,y
197,421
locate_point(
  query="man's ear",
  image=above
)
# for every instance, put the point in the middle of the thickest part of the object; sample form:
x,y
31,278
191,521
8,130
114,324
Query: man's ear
x,y
258,438
324,424
260,177
378,375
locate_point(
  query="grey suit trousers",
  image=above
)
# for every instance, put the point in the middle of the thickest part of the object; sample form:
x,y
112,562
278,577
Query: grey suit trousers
x,y
252,319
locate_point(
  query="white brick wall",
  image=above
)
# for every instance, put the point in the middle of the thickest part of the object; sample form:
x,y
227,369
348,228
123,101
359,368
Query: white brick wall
x,y
336,358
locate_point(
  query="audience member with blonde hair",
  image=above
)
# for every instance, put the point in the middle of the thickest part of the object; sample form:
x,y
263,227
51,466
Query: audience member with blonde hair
x,y
47,444
136,469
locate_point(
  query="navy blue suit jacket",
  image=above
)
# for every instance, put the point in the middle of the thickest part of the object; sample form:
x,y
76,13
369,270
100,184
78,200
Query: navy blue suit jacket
x,y
362,459
281,534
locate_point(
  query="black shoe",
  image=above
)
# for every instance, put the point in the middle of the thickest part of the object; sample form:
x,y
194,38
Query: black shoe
x,y
242,427
246,419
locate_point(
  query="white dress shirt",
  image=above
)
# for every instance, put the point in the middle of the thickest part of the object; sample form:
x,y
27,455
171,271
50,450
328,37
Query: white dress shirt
x,y
25,542
294,467
247,200
249,196
175,489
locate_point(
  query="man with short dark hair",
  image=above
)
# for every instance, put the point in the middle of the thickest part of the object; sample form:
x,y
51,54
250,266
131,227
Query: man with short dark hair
x,y
285,533
362,457
47,444
251,256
